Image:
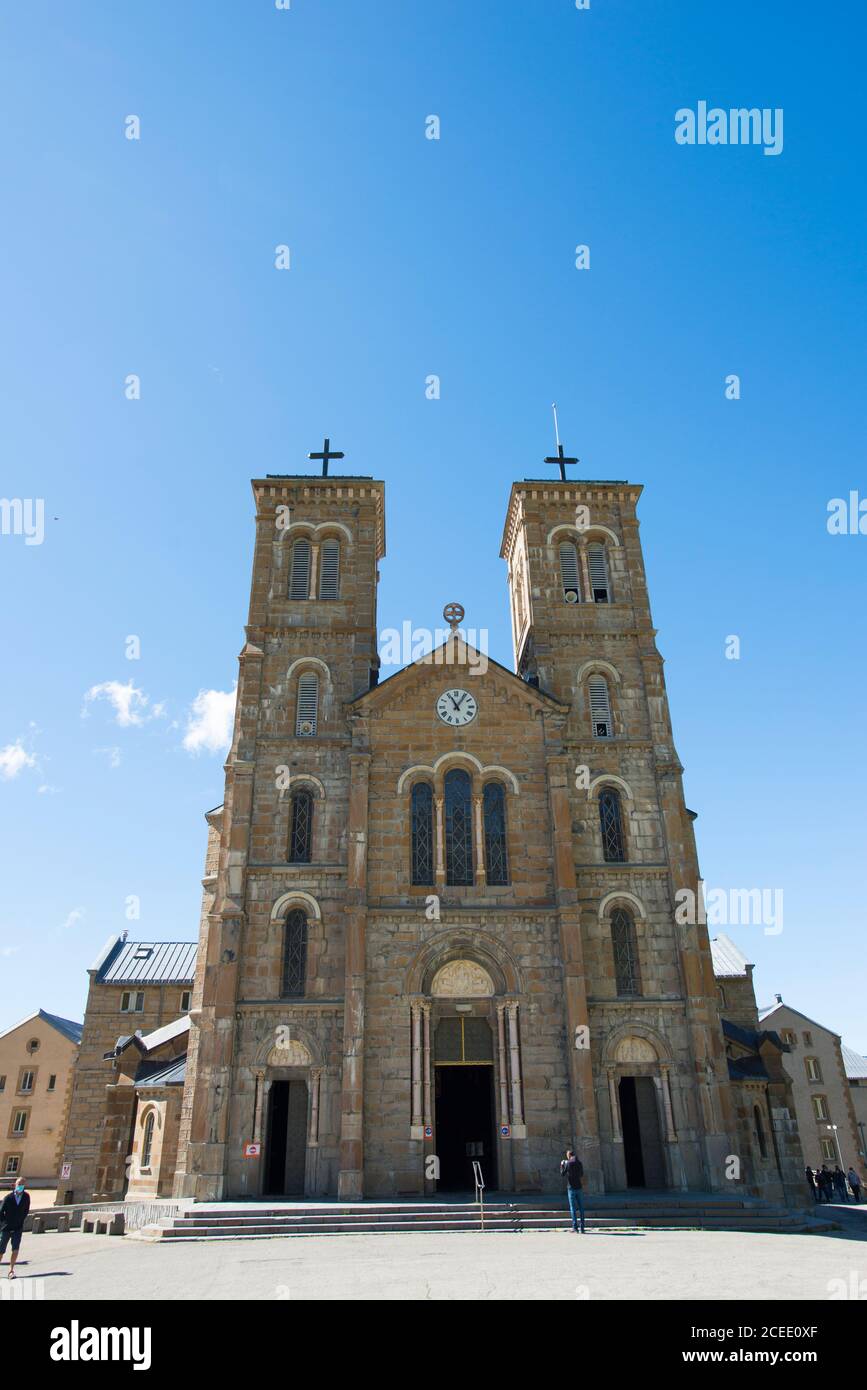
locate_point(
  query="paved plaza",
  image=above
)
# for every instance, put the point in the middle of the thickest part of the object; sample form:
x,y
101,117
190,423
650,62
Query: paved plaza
x,y
648,1264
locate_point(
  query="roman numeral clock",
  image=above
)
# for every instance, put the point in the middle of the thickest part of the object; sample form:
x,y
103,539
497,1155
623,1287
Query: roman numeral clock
x,y
457,707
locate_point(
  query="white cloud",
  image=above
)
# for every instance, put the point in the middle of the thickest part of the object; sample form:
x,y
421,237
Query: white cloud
x,y
13,759
209,721
74,916
130,704
113,755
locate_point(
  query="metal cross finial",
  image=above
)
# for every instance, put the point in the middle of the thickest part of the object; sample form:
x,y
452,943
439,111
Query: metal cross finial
x,y
325,456
560,458
454,615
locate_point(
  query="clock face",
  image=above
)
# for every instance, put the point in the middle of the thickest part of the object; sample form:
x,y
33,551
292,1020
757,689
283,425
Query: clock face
x,y
457,707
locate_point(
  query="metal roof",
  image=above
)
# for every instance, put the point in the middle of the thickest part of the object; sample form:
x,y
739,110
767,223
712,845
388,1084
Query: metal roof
x,y
71,1031
150,962
165,1034
162,1073
728,959
854,1063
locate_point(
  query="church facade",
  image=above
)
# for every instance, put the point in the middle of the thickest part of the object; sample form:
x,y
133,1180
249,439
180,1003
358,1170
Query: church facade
x,y
438,921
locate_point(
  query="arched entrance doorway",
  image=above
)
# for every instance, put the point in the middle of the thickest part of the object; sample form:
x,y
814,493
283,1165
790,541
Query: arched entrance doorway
x,y
464,1081
641,1111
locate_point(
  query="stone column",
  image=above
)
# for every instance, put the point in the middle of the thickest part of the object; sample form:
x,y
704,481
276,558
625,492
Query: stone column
x,y
614,1102
586,591
479,839
315,1080
501,1054
259,1081
579,1060
350,1181
670,1133
441,842
314,568
515,1070
428,1116
415,1012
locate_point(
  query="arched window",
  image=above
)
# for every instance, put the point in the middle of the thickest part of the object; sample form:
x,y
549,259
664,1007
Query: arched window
x,y
496,856
760,1131
294,953
301,828
569,572
520,608
625,947
611,823
307,708
299,574
329,569
147,1142
600,707
459,827
598,565
422,866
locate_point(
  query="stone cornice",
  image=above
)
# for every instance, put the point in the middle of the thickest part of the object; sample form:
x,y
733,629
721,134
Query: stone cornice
x,y
269,492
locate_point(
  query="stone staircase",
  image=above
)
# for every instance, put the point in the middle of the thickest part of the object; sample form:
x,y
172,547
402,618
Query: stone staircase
x,y
260,1220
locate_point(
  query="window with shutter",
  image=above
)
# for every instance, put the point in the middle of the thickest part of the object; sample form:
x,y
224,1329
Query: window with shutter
x,y
308,701
299,578
569,572
600,708
598,573
329,576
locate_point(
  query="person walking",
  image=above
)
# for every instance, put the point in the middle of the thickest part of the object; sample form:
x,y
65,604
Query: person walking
x,y
13,1214
824,1180
854,1183
840,1189
572,1169
811,1183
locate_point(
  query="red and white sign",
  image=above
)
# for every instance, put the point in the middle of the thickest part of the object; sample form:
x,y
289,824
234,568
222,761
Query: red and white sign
x,y
66,1170
252,1150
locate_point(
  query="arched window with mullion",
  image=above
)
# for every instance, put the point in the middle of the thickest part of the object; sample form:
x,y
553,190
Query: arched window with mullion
x,y
422,832
624,943
301,827
611,825
597,563
294,954
569,572
329,569
494,819
459,827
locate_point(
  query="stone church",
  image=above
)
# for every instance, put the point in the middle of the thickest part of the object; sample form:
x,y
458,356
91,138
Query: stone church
x,y
438,923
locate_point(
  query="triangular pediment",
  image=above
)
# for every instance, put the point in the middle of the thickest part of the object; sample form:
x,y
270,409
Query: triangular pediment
x,y
454,661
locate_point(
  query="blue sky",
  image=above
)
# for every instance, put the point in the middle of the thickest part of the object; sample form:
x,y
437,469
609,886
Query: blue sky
x,y
413,257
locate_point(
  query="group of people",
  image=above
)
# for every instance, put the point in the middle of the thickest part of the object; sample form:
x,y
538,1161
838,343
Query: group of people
x,y
829,1184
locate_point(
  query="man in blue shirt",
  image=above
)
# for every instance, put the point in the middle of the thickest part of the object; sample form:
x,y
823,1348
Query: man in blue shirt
x,y
13,1214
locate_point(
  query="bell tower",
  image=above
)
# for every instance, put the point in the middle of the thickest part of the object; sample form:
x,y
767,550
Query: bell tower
x,y
582,631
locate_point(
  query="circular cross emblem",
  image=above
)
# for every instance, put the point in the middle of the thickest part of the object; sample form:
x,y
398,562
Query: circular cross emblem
x,y
453,614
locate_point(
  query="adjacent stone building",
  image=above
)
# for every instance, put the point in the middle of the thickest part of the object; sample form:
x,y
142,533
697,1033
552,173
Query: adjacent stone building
x,y
135,987
855,1067
37,1057
821,1091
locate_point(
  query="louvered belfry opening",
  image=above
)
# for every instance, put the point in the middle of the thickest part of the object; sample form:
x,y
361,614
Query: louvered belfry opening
x,y
613,847
422,834
459,828
299,574
600,708
294,953
598,566
329,569
625,947
301,828
494,817
308,704
569,572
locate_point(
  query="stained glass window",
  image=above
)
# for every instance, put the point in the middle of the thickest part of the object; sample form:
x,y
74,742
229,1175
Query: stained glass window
x,y
625,946
301,828
459,827
496,857
295,953
422,833
613,847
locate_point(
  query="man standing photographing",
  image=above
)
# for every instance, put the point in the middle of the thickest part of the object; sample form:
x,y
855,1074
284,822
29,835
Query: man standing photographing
x,y
573,1170
13,1214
